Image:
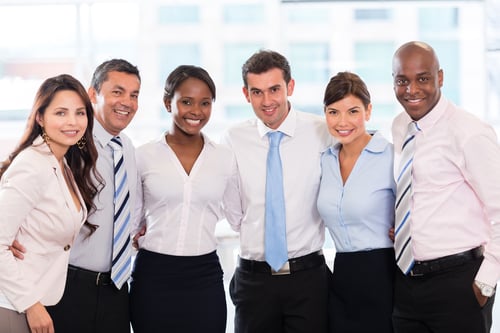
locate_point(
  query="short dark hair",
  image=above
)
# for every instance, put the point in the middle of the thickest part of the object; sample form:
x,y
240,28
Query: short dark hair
x,y
344,84
264,60
181,74
114,65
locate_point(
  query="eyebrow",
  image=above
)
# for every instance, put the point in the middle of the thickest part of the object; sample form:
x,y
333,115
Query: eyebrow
x,y
269,88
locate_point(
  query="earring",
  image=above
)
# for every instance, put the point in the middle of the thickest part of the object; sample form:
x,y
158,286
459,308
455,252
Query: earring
x,y
45,136
81,143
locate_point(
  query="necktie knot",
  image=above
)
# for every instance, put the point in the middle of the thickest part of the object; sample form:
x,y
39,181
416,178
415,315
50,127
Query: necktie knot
x,y
275,138
413,128
116,143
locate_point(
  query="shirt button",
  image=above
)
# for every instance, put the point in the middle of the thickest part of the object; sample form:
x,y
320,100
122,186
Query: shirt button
x,y
67,247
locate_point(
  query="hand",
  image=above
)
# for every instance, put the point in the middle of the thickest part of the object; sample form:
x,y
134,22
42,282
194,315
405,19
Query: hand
x,y
39,319
17,249
481,299
135,241
391,234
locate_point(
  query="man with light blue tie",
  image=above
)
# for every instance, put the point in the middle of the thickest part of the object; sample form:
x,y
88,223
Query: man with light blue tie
x,y
280,284
447,227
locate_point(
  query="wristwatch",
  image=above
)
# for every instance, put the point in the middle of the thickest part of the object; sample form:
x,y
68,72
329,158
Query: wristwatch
x,y
486,290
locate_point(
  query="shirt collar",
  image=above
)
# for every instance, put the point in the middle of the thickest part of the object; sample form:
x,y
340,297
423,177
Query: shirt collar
x,y
101,136
376,145
206,140
287,127
432,117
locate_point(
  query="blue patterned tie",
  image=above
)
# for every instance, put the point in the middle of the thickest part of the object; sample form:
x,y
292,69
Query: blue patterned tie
x,y
120,267
276,252
402,242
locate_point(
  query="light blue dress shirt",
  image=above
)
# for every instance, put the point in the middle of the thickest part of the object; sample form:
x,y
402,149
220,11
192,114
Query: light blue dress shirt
x,y
359,213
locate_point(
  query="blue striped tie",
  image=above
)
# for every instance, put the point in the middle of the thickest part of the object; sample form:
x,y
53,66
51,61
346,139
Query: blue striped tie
x,y
120,267
276,252
404,192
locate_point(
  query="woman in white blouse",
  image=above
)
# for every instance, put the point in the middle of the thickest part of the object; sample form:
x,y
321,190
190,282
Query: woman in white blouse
x,y
46,191
177,280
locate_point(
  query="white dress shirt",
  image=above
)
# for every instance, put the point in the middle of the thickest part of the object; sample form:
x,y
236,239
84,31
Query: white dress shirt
x,y
456,186
306,137
181,210
94,252
37,209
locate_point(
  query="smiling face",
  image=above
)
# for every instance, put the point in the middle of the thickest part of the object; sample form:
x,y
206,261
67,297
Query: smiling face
x,y
191,106
268,93
64,121
417,79
346,119
117,101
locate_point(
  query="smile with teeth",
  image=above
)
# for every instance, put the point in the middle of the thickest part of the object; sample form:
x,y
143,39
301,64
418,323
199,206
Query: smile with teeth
x,y
122,112
344,132
193,122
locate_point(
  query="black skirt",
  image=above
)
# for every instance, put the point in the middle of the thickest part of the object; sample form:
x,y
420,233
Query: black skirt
x,y
177,293
361,292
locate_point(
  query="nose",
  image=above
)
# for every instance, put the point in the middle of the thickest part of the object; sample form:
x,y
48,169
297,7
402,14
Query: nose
x,y
127,100
266,98
71,117
411,88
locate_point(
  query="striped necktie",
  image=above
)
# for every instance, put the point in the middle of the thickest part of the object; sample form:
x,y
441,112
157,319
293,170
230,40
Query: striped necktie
x,y
404,192
120,267
276,252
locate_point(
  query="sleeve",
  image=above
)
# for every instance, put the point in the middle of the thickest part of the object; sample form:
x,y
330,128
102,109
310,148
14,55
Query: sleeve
x,y
138,220
482,162
20,190
232,199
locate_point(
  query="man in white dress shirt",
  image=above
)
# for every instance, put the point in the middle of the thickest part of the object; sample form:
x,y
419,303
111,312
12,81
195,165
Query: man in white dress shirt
x,y
293,298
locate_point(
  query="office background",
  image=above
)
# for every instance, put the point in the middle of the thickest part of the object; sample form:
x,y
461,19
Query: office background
x,y
42,38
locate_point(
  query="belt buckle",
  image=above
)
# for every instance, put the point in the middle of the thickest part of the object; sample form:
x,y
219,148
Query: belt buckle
x,y
285,270
97,278
412,273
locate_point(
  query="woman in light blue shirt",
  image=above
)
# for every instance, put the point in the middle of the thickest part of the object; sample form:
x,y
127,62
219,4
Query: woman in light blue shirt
x,y
356,202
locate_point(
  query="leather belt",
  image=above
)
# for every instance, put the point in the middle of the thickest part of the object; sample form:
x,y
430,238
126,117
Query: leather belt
x,y
309,261
422,268
100,279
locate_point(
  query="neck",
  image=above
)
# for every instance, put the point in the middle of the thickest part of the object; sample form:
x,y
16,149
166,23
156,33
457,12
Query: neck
x,y
355,148
181,138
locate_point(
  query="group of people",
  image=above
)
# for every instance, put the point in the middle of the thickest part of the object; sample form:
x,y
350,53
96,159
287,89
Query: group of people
x,y
418,245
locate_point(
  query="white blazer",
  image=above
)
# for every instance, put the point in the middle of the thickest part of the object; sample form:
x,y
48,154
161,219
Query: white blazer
x,y
37,209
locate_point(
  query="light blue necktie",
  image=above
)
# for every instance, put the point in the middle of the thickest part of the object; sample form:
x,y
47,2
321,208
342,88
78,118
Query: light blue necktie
x,y
276,252
404,192
120,266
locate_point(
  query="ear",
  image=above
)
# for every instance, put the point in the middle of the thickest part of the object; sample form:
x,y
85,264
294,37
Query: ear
x,y
368,112
246,93
289,88
39,119
168,104
440,77
92,95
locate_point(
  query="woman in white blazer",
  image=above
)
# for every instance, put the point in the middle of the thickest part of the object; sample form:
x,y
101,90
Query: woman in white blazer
x,y
46,189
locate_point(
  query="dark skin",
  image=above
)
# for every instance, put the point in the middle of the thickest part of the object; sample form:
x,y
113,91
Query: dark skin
x,y
191,107
417,86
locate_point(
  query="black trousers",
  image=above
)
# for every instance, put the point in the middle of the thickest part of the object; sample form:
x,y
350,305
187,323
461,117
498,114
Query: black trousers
x,y
182,294
266,303
361,292
441,302
89,308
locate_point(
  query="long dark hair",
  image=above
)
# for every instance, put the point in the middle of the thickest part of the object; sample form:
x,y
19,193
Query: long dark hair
x,y
82,161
